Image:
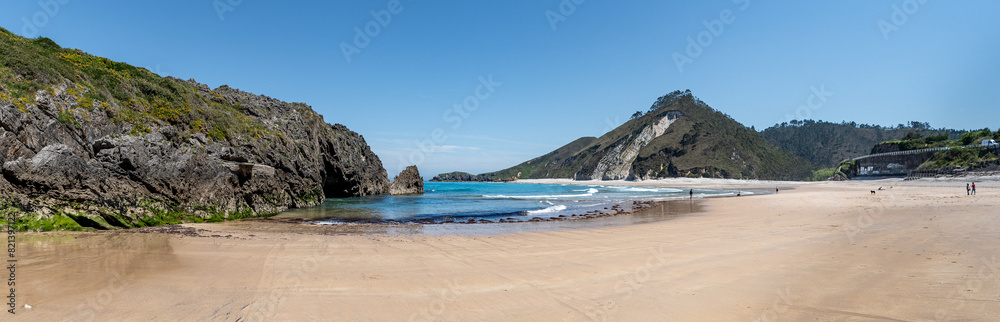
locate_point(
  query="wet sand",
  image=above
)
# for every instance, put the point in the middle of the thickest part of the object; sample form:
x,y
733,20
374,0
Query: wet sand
x,y
637,212
826,251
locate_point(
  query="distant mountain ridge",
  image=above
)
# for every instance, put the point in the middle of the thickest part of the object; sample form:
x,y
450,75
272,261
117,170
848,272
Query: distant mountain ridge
x,y
680,136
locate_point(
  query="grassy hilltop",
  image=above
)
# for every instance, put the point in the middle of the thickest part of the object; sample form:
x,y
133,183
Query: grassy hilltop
x,y
133,95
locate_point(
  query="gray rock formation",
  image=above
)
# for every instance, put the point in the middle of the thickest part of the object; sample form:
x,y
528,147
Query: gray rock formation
x,y
617,164
119,173
407,182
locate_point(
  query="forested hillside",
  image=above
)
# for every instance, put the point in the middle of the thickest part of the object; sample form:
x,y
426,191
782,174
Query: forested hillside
x,y
825,144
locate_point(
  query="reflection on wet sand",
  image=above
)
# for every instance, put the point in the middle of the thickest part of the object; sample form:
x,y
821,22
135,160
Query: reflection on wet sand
x,y
739,259
651,212
86,269
252,265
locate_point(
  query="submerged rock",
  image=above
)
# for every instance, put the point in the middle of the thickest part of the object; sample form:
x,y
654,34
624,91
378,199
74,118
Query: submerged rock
x,y
407,182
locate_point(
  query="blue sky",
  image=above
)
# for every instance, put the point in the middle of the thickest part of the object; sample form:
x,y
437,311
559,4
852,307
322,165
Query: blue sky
x,y
558,70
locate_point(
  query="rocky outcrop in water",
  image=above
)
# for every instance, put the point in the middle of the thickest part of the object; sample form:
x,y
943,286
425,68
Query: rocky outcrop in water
x,y
407,182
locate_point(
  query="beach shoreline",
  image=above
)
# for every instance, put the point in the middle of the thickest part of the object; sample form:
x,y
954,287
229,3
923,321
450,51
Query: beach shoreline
x,y
827,250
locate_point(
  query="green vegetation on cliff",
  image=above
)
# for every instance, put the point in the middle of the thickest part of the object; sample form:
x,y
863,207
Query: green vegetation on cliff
x,y
70,216
90,143
134,96
914,141
954,156
967,158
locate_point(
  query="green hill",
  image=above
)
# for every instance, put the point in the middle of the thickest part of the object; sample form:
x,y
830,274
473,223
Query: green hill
x,y
680,136
825,144
968,158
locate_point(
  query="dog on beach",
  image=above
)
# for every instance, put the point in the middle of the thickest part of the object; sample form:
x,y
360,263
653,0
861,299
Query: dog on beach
x,y
873,192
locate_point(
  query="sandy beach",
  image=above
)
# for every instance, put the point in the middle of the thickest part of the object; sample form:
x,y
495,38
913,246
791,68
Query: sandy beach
x,y
921,250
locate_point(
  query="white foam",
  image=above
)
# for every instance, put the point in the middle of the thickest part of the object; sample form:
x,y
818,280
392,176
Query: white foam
x,y
642,189
556,208
646,189
590,193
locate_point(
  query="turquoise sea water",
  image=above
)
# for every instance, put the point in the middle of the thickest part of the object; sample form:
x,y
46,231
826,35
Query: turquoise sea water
x,y
463,201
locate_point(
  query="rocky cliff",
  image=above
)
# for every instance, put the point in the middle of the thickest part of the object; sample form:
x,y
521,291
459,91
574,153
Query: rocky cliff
x,y
111,145
617,163
407,182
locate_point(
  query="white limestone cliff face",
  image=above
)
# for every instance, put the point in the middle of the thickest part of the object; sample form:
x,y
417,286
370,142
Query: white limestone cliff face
x,y
617,164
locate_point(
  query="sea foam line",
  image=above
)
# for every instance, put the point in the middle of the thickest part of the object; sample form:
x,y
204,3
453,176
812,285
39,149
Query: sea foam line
x,y
556,208
590,193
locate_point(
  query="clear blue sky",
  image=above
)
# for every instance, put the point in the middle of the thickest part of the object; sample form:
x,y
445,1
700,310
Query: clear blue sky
x,y
939,63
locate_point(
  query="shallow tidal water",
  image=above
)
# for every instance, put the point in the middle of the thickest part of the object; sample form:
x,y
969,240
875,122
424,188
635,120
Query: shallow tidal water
x,y
489,208
445,202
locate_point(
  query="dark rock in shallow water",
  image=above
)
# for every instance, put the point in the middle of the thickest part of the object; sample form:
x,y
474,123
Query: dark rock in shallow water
x,y
407,182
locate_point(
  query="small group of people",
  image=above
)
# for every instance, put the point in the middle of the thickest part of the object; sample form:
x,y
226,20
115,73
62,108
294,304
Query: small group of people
x,y
970,190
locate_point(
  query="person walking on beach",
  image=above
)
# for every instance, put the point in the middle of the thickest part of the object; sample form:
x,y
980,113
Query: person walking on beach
x,y
691,193
973,188
968,190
